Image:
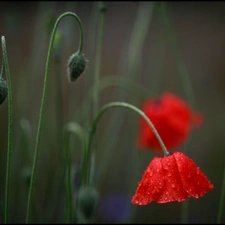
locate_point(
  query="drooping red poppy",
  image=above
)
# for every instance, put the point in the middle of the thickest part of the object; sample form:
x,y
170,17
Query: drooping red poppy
x,y
171,178
173,119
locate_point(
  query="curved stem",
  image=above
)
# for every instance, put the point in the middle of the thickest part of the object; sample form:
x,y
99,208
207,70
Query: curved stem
x,y
44,100
94,126
114,81
10,119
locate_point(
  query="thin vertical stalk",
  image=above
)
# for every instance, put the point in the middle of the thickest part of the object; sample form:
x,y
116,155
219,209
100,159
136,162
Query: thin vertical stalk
x,y
222,200
47,68
10,121
71,128
99,37
186,83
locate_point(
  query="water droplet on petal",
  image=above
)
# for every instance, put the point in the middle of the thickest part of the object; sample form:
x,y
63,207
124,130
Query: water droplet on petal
x,y
167,193
150,174
197,195
197,171
169,175
173,185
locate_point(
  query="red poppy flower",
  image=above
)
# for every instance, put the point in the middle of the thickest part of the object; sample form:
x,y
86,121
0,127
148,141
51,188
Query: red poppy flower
x,y
171,178
172,118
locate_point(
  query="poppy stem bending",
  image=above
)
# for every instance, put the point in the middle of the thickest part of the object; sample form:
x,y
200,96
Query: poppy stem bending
x,y
10,120
44,100
85,168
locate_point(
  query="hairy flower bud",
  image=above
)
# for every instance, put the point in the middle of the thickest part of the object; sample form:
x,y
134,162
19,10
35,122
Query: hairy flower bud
x,y
3,90
87,199
76,66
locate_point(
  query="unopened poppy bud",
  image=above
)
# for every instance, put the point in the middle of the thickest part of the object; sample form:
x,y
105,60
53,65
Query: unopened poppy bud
x,y
87,199
76,66
3,90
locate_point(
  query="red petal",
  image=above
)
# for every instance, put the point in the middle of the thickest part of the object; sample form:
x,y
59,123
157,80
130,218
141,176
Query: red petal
x,y
173,189
150,187
172,118
160,183
194,181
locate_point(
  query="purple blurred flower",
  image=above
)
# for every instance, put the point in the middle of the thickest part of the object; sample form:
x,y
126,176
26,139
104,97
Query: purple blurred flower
x,y
116,207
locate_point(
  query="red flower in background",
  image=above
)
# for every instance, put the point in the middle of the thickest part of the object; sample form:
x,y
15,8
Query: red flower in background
x,y
172,118
171,178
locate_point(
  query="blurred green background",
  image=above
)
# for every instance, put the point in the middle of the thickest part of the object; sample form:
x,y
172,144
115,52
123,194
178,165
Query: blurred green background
x,y
199,28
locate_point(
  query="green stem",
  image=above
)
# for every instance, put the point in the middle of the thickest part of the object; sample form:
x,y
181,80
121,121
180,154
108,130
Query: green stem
x,y
114,81
47,69
180,63
68,180
186,83
98,60
10,120
69,129
2,69
102,9
222,200
138,36
86,179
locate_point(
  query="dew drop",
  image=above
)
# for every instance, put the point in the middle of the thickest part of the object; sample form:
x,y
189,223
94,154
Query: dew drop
x,y
151,173
190,189
189,175
157,170
197,171
173,185
167,193
169,174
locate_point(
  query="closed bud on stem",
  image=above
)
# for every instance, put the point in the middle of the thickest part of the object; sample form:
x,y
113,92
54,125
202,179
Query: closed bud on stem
x,y
3,90
87,199
76,66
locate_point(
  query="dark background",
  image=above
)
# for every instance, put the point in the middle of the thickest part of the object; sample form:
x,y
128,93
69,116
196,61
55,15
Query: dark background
x,y
200,31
